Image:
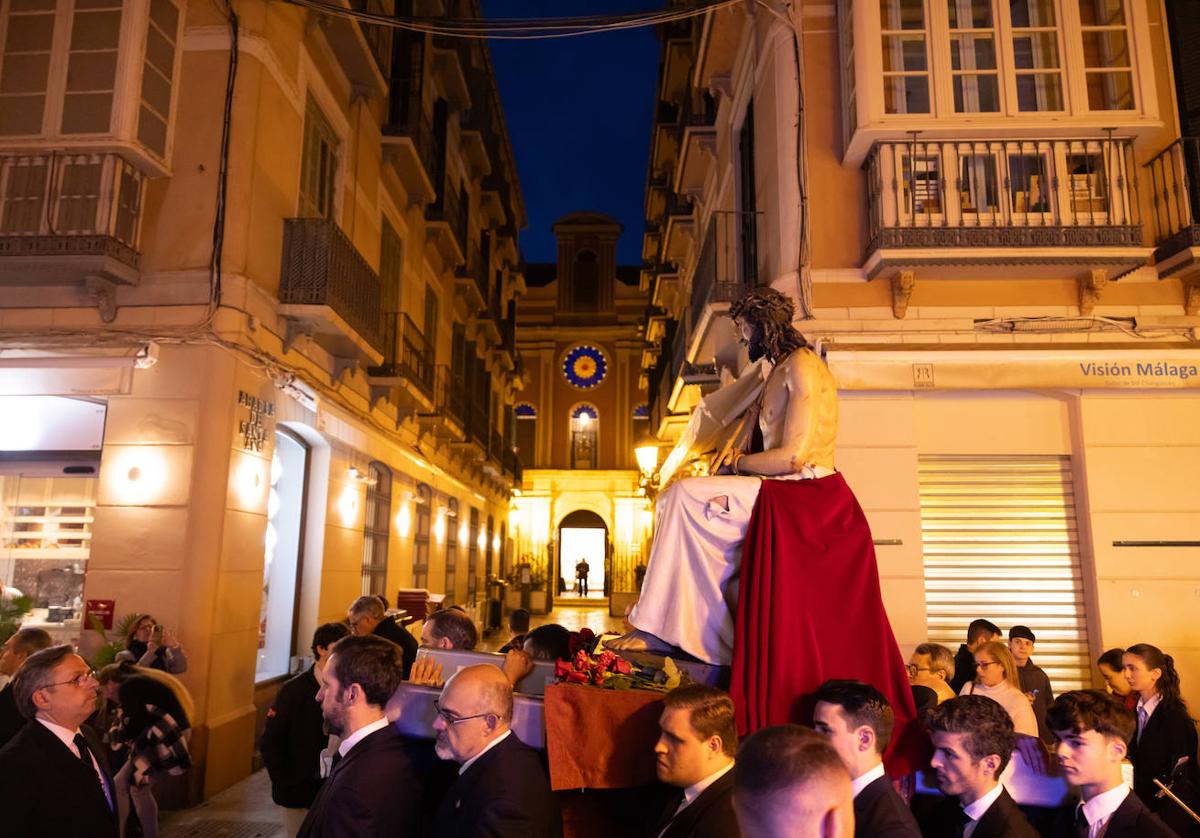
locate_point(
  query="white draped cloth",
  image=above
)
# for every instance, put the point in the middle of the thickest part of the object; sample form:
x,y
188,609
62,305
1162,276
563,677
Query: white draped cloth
x,y
689,595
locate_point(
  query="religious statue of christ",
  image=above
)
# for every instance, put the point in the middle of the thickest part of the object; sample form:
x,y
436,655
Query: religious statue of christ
x,y
690,592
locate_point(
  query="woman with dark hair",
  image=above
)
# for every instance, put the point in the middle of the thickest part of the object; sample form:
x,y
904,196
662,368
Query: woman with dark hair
x,y
153,646
1112,669
1165,738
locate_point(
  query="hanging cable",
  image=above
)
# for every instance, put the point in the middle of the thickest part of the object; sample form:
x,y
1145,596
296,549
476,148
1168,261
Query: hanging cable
x,y
218,234
514,28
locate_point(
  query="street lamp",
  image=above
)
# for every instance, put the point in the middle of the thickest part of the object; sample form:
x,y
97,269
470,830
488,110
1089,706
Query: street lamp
x,y
647,458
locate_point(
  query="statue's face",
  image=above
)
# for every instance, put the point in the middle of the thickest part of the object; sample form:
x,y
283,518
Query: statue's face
x,y
750,336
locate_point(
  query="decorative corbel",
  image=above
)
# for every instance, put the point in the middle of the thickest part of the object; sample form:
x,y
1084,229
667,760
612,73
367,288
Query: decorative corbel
x,y
294,330
902,288
1191,298
1090,287
102,292
343,365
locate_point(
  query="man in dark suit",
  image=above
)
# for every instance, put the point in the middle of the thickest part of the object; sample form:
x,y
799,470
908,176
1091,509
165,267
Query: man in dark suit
x,y
978,632
1093,731
294,735
54,778
973,740
502,790
857,719
695,756
16,649
371,791
367,615
1035,683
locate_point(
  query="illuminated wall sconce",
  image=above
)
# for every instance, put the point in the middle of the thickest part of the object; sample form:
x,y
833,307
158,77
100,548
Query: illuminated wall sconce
x,y
439,526
348,505
404,518
496,543
249,481
364,477
482,540
463,533
141,475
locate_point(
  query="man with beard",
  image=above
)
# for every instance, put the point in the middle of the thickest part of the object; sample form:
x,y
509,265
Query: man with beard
x,y
502,789
371,790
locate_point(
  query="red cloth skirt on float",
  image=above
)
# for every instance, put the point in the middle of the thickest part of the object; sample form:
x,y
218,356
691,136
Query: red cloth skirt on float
x,y
809,609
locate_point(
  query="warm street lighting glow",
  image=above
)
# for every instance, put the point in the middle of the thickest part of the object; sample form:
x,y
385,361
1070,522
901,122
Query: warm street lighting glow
x,y
348,504
439,526
647,458
142,474
403,519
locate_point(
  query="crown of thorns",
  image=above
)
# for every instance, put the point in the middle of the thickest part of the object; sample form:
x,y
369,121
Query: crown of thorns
x,y
764,304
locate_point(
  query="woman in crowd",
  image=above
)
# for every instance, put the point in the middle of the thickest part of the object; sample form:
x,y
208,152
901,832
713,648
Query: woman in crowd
x,y
1166,734
996,677
1112,669
148,737
153,646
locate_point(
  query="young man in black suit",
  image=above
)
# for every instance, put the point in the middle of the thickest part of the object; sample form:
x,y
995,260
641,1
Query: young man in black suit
x,y
54,779
973,740
695,756
294,735
16,649
502,790
1094,730
857,719
367,615
371,791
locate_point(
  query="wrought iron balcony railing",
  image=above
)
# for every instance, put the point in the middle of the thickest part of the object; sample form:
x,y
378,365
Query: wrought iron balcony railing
x,y
1003,193
408,352
322,267
1175,181
64,204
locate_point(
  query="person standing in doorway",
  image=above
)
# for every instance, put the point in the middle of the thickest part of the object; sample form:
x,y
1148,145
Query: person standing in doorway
x,y
581,577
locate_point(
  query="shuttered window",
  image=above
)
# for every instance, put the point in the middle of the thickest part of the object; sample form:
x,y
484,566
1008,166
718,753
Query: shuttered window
x,y
1001,542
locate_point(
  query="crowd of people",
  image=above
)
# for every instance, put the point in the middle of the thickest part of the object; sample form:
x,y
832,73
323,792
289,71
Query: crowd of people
x,y
339,765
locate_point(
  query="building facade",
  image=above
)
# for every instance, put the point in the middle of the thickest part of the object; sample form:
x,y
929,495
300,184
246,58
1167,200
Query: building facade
x,y
983,212
257,283
581,415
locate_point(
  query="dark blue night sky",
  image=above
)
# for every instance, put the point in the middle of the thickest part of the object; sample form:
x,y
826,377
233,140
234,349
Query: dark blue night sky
x,y
579,113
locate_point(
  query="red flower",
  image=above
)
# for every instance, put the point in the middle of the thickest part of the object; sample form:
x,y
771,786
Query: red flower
x,y
561,668
622,666
577,677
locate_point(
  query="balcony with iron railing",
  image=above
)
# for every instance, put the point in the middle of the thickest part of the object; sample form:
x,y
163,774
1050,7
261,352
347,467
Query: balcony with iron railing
x,y
470,278
409,141
448,221
1174,175
408,362
1034,202
680,228
329,292
66,217
447,419
697,141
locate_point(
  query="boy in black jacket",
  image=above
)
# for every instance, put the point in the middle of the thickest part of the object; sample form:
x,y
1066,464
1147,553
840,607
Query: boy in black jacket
x,y
294,735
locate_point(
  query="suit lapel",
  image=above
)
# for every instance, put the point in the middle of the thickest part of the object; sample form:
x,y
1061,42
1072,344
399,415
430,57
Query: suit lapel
x,y
689,817
992,824
57,750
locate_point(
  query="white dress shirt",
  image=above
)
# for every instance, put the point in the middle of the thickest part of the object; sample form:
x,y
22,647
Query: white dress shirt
x,y
361,734
1145,709
485,749
1099,810
68,738
976,810
861,782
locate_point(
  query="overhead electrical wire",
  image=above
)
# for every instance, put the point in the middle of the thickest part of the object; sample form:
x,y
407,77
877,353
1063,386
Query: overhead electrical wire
x,y
517,29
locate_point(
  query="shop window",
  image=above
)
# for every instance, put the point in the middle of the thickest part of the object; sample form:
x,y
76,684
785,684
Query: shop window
x,y
376,529
423,512
282,556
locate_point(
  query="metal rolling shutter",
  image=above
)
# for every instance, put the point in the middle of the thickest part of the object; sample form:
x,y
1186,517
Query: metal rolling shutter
x,y
1001,542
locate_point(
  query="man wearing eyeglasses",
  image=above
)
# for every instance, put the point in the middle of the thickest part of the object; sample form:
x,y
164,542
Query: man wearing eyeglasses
x,y
502,789
54,778
371,789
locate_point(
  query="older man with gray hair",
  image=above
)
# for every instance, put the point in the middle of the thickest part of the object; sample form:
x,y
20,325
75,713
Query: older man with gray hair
x,y
367,615
55,779
502,789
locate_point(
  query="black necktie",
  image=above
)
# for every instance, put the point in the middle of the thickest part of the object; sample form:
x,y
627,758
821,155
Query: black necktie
x,y
963,820
1081,823
85,756
337,757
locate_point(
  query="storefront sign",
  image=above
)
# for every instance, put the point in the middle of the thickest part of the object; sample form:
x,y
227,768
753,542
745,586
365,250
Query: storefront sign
x,y
1014,369
99,610
252,429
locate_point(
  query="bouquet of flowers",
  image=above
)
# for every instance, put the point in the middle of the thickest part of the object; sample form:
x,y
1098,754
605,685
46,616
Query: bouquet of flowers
x,y
613,672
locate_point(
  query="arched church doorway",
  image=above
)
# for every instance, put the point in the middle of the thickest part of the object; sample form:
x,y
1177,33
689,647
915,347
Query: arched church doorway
x,y
583,556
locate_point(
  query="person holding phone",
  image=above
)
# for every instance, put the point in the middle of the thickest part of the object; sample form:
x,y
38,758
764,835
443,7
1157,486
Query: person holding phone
x,y
153,646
